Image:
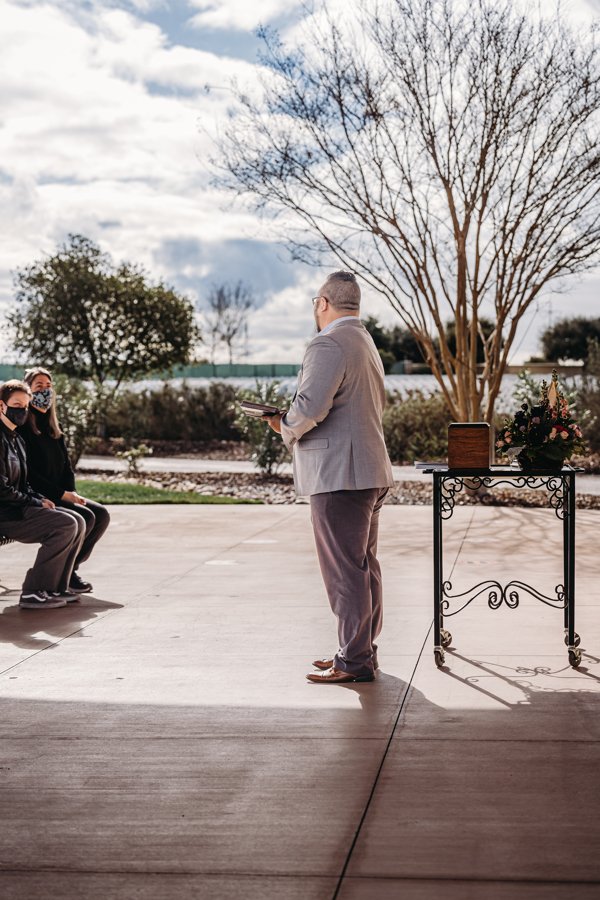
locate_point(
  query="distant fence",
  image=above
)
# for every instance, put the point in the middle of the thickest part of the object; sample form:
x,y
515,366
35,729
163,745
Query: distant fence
x,y
289,370
7,372
236,370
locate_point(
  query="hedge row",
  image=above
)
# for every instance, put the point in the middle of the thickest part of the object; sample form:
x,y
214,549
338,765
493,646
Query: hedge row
x,y
415,423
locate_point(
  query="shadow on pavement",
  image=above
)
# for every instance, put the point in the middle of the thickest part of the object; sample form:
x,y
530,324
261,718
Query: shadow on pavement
x,y
24,627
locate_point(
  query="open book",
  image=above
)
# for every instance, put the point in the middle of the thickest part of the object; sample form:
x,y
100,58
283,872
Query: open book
x,y
258,410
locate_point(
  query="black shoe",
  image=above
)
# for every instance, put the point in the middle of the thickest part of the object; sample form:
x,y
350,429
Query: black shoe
x,y
78,585
40,600
68,596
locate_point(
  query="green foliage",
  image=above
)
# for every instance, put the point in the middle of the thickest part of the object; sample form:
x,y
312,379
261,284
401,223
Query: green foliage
x,y
388,359
76,413
485,326
588,396
110,492
569,339
527,389
416,427
393,343
398,343
87,318
133,456
268,450
174,413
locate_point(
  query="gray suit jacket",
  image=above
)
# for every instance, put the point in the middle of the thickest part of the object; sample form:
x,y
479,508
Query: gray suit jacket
x,y
333,426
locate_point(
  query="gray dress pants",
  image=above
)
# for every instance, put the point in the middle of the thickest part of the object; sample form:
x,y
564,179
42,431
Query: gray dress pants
x,y
60,534
345,525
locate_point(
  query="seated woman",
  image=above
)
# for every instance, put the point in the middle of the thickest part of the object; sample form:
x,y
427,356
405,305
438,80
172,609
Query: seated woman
x,y
50,470
31,518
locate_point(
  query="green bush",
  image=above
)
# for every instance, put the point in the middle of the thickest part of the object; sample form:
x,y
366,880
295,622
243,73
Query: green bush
x,y
588,398
415,426
268,450
76,409
171,413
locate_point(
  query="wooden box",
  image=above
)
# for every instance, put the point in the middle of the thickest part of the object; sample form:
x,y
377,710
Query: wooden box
x,y
469,445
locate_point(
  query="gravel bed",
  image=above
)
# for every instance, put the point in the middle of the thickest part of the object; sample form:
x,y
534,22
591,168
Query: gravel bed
x,y
279,489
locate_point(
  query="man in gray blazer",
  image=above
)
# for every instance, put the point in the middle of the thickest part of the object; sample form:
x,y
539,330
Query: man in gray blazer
x,y
333,428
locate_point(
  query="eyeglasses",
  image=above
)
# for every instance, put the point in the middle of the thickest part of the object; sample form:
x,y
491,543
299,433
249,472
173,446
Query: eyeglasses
x,y
320,297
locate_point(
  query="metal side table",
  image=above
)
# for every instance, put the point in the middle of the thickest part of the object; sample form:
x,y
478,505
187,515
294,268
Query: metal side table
x,y
447,485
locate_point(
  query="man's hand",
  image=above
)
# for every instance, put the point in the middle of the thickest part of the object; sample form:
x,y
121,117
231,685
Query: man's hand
x,y
274,422
48,504
73,497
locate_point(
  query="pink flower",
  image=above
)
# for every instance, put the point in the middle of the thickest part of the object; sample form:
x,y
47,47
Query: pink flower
x,y
508,439
499,444
552,434
535,420
564,435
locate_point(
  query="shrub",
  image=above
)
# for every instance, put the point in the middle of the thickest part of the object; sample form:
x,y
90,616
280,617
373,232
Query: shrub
x,y
171,413
588,397
268,450
415,426
133,457
76,411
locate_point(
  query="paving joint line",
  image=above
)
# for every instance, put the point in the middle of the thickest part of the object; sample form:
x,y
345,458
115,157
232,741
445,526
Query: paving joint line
x,y
379,771
59,641
393,732
170,873
462,543
136,597
470,880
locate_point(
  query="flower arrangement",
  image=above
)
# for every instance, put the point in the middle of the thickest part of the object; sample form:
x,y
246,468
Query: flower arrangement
x,y
545,431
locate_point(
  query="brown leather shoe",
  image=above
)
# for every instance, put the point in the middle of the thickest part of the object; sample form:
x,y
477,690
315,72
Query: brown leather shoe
x,y
336,676
323,664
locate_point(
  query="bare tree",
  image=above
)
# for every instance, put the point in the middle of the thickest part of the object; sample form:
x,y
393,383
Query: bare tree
x,y
226,318
446,152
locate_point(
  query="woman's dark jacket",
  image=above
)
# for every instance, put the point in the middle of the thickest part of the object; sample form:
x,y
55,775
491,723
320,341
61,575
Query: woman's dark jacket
x,y
50,470
16,494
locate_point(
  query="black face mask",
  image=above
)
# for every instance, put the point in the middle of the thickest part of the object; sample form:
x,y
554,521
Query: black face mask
x,y
17,415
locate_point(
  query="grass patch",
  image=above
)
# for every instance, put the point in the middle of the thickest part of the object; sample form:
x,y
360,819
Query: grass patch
x,y
112,492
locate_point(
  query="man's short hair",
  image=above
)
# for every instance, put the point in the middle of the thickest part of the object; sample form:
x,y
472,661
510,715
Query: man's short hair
x,y
342,290
13,387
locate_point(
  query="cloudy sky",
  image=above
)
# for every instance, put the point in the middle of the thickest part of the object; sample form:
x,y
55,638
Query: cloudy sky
x,y
105,126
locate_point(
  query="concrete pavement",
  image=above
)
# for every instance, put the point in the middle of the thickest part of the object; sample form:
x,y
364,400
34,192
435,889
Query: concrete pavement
x,y
159,739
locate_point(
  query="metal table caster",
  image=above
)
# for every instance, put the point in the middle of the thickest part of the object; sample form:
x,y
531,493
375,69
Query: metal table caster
x,y
440,657
446,637
574,657
576,641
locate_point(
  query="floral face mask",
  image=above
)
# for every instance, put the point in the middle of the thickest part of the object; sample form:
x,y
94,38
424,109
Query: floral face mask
x,y
42,399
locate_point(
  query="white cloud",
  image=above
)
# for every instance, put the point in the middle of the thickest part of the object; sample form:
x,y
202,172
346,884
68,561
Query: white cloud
x,y
105,129
239,14
280,330
100,134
